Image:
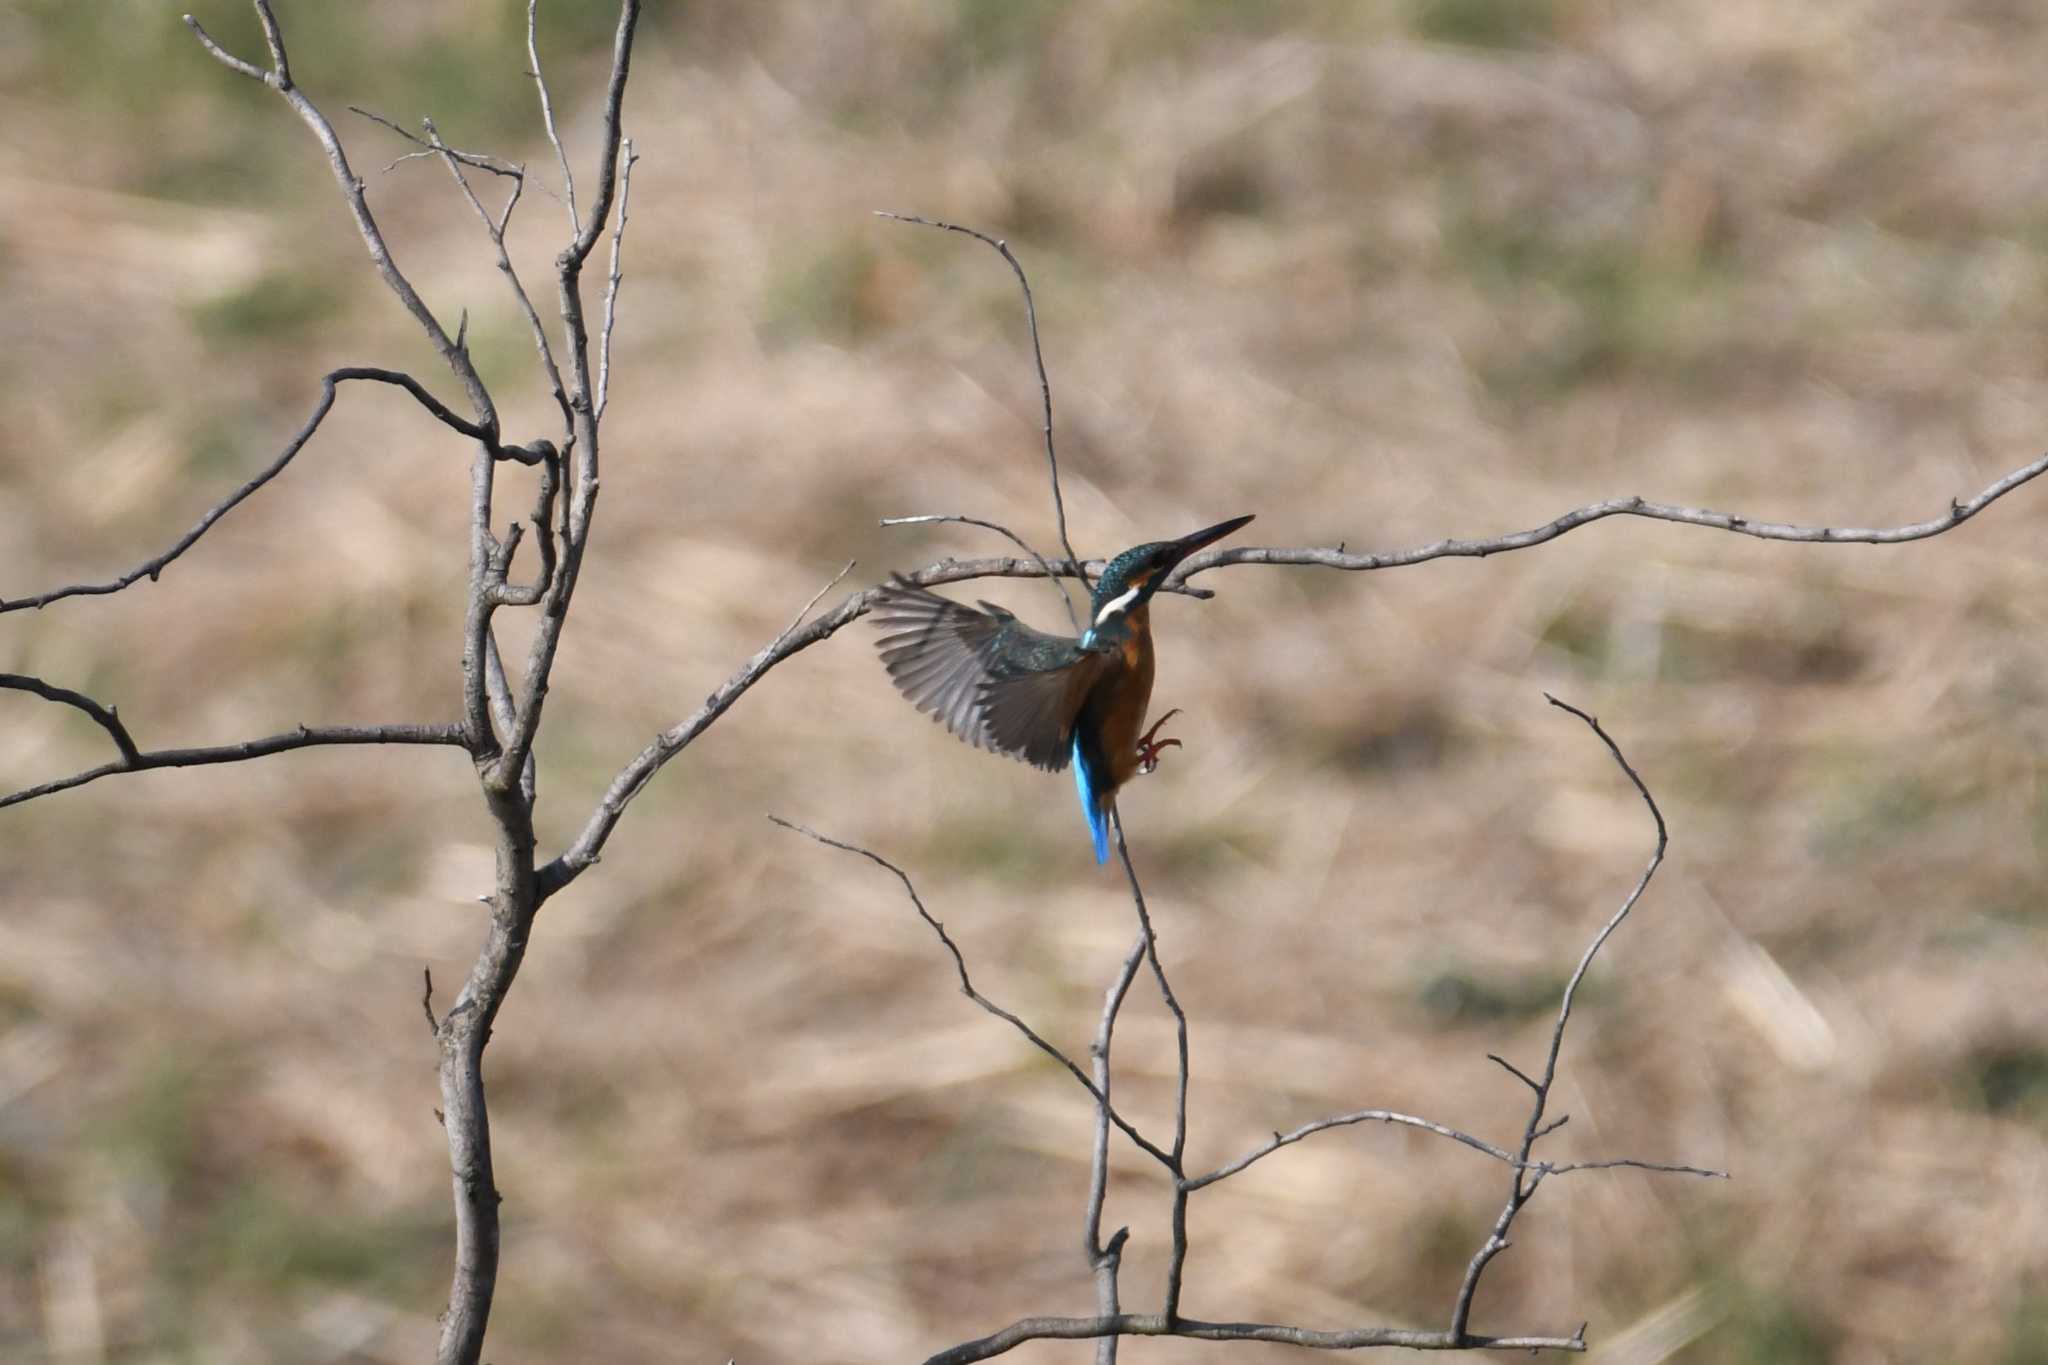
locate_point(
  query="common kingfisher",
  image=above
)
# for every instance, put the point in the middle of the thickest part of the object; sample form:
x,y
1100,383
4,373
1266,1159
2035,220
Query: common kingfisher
x,y
1047,699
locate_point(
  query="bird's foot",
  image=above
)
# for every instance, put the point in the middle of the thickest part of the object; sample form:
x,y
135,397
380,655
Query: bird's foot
x,y
1149,749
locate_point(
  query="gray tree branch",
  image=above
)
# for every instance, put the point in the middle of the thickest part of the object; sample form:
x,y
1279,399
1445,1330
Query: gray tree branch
x,y
1156,1325
1104,1258
1524,1178
106,717
611,806
1959,511
304,737
967,987
1052,459
500,723
547,111
151,568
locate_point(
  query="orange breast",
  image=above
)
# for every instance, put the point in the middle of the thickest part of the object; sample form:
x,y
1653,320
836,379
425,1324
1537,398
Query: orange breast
x,y
1130,693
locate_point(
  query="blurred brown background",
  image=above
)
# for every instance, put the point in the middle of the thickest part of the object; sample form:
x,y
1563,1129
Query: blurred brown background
x,y
1380,274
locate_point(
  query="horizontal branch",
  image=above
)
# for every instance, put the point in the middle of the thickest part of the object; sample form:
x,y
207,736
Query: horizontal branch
x,y
1156,1325
151,568
304,737
1280,1140
1626,1163
1959,511
635,775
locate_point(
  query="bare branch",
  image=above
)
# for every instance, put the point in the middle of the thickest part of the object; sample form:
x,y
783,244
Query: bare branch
x,y
1527,1175
1513,1070
1052,461
304,737
608,137
589,844
547,111
1288,1139
611,288
513,595
580,476
279,79
635,774
1177,1262
229,59
967,987
1001,530
504,709
495,230
1156,1325
106,717
1630,1163
151,568
496,165
1571,989
1959,511
1106,1261
275,41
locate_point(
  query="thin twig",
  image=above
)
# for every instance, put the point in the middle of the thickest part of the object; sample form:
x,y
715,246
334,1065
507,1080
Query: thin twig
x,y
608,165
932,518
279,79
580,480
151,568
304,737
1628,1163
1513,1070
496,165
427,1001
547,112
1528,1176
108,718
1288,1139
1052,459
505,708
1177,1262
1959,511
495,230
967,987
1106,1260
453,351
611,288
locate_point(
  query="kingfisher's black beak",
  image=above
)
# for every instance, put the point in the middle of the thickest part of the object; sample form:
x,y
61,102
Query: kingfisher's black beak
x,y
1173,552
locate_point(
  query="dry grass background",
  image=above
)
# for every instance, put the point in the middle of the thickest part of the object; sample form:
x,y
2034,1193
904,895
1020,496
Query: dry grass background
x,y
1377,273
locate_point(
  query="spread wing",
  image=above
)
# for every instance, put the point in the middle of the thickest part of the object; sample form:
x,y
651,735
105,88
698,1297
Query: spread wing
x,y
986,676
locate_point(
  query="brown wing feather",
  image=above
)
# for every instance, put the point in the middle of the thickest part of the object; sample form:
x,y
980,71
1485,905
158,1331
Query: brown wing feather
x,y
986,676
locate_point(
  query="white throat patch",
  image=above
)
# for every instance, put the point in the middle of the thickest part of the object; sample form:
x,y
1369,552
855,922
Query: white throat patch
x,y
1115,605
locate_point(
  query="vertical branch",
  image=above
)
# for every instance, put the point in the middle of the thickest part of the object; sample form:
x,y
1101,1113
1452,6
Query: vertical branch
x,y
547,112
1107,1260
1524,1175
611,288
476,710
1177,1261
580,477
1052,459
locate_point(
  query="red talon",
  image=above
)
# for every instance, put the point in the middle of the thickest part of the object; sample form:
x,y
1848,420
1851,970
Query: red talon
x,y
1149,749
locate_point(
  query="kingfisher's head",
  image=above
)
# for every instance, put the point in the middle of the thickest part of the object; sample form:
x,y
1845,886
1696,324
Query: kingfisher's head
x,y
1133,576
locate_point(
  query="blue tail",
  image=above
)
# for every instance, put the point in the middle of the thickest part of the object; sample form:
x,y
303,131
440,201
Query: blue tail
x,y
1098,816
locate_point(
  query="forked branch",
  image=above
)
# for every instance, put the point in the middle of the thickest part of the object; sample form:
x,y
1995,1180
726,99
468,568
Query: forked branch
x,y
154,566
1525,1172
